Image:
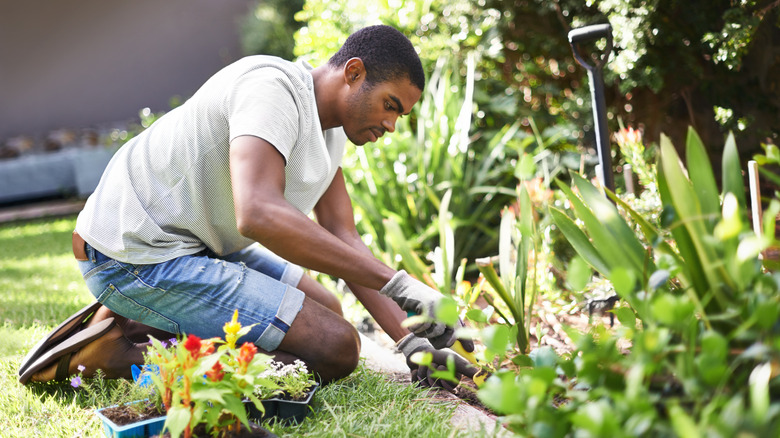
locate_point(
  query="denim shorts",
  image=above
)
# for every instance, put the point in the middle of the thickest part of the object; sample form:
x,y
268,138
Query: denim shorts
x,y
198,294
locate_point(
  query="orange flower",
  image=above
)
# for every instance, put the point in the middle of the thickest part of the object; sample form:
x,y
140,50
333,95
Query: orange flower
x,y
246,354
207,347
215,374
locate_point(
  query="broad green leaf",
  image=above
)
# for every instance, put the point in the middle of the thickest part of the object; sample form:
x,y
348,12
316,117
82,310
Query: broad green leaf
x,y
446,243
487,269
686,204
732,171
397,241
701,175
177,420
579,273
626,316
622,235
579,241
601,239
476,315
496,337
683,425
688,260
505,249
759,391
447,311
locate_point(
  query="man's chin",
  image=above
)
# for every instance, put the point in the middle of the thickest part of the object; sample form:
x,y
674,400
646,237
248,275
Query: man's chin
x,y
357,141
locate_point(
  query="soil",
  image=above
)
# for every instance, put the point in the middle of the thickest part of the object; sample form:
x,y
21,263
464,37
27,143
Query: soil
x,y
126,414
551,320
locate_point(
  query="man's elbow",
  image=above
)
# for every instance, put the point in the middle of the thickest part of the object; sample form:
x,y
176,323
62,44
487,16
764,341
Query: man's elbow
x,y
254,224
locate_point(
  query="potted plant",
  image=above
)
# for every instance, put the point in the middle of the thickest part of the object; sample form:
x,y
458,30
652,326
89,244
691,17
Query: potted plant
x,y
289,395
202,384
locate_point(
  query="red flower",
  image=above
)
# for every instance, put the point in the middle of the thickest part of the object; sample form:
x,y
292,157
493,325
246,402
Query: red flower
x,y
246,353
215,374
192,344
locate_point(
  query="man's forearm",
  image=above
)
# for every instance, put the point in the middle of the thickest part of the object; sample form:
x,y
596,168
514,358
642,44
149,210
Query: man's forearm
x,y
384,310
300,240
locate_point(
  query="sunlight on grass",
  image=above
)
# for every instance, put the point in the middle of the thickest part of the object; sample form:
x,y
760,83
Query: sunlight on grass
x,y
39,279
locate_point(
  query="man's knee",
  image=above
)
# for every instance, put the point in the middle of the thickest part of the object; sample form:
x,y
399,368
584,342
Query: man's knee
x,y
346,351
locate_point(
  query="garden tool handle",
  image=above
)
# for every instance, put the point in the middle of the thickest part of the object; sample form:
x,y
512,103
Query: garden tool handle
x,y
588,33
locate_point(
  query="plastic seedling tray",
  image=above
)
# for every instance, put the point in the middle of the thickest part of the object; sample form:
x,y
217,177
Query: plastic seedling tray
x,y
140,429
279,409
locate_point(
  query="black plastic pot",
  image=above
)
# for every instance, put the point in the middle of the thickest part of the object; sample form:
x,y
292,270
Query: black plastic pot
x,y
280,409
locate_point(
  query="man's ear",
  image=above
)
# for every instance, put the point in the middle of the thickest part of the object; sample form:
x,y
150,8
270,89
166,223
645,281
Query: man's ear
x,y
354,71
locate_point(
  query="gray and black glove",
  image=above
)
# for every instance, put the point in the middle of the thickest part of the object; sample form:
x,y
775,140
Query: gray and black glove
x,y
411,344
416,298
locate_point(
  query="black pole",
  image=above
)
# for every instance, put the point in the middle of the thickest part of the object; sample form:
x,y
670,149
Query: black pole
x,y
602,131
577,36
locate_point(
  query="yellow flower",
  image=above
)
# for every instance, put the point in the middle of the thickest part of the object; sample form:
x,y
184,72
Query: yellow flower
x,y
231,329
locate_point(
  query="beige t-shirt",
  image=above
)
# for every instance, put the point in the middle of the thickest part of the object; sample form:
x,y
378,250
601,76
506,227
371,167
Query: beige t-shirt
x,y
167,192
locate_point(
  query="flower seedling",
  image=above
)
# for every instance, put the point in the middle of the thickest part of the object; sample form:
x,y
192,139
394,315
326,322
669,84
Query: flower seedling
x,y
293,381
205,381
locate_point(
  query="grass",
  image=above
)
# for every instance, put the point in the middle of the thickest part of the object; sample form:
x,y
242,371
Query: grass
x,y
40,286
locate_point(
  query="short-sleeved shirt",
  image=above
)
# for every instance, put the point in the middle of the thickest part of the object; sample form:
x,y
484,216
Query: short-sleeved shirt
x,y
167,192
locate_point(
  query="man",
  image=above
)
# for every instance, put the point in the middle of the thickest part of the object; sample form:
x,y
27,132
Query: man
x,y
168,241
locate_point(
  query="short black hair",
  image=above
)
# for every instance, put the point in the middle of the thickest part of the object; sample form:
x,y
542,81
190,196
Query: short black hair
x,y
387,55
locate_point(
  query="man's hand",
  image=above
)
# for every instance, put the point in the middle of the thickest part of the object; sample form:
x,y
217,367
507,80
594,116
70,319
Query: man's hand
x,y
411,344
416,298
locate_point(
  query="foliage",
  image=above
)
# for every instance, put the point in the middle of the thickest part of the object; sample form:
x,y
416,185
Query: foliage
x,y
293,380
269,27
518,248
199,384
432,169
701,319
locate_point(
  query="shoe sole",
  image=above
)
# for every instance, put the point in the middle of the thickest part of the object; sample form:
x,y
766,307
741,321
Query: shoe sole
x,y
69,345
62,332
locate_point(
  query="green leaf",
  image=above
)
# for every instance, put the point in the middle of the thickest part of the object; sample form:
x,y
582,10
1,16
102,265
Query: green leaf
x,y
732,171
626,316
682,423
476,315
397,241
701,175
579,273
624,281
579,241
526,167
496,338
685,202
177,420
621,236
447,311
505,250
759,392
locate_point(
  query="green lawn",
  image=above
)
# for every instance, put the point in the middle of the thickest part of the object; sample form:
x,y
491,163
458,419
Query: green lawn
x,y
41,285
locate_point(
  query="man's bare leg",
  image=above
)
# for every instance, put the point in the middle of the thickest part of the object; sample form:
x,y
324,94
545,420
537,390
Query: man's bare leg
x,y
326,342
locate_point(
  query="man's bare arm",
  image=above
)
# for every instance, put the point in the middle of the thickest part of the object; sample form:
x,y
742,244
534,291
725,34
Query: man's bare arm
x,y
264,215
334,212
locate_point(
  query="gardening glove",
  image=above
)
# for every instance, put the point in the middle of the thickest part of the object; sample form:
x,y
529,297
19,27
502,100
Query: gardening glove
x,y
411,344
418,299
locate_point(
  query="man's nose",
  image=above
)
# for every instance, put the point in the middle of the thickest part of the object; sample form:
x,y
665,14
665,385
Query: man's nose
x,y
389,125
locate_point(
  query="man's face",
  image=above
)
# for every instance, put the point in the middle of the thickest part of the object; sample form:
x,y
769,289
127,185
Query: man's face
x,y
373,110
